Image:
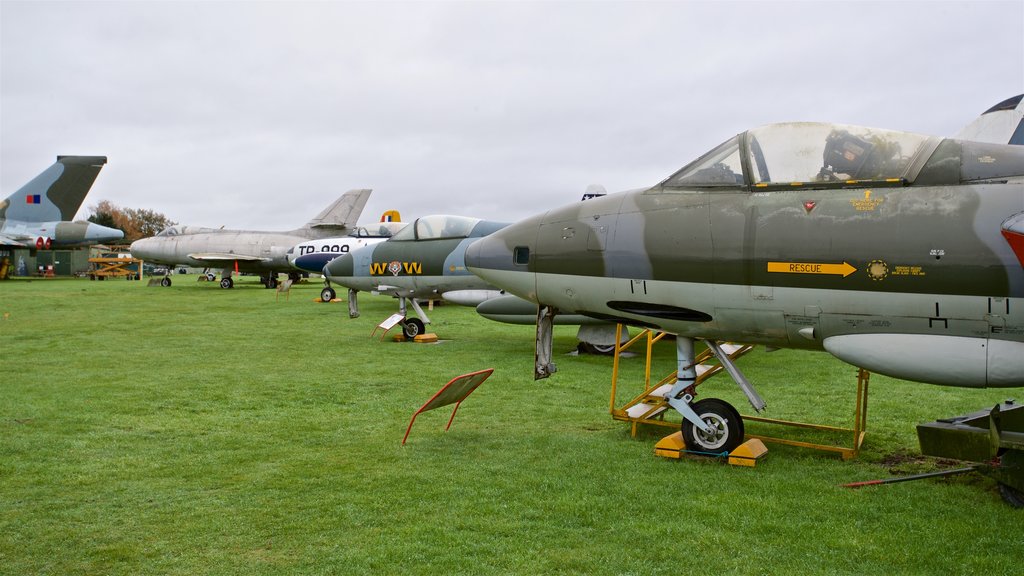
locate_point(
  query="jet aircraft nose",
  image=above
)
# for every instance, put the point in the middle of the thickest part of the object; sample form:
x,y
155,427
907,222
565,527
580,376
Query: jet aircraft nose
x,y
141,249
505,257
340,267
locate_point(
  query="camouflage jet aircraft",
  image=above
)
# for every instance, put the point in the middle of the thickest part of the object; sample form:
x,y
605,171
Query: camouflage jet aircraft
x,y
422,260
38,216
899,253
247,250
422,264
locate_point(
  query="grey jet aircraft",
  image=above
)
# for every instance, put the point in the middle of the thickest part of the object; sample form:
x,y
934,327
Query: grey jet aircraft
x,y
39,215
896,252
256,251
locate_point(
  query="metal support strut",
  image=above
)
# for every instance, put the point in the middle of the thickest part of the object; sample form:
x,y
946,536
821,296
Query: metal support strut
x,y
542,365
353,303
755,399
681,394
402,300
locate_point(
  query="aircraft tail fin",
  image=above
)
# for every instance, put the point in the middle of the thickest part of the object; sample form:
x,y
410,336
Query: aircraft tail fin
x,y
1000,124
343,212
55,194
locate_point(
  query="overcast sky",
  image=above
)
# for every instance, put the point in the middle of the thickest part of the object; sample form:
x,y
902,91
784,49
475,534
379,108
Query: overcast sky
x,y
259,114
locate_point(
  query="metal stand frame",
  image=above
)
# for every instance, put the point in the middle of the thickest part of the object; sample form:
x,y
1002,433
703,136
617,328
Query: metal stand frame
x,y
648,408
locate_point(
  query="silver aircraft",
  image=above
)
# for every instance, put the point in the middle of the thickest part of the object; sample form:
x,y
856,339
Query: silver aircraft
x,y
256,251
39,215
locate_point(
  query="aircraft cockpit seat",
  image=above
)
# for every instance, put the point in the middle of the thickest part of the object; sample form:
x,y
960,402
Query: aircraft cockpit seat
x,y
844,154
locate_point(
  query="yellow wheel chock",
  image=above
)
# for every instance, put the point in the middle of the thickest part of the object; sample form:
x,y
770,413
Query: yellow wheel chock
x,y
746,454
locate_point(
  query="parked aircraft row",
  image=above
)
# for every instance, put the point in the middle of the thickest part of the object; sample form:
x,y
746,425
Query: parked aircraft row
x,y
896,252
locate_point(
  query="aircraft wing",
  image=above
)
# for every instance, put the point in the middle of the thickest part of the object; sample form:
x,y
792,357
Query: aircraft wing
x,y
6,240
224,258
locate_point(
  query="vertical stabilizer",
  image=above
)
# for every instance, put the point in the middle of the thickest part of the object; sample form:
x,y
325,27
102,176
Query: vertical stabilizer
x,y
57,193
343,212
1000,124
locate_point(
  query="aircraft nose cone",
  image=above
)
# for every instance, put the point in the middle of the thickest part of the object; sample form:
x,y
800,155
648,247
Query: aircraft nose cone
x,y
488,253
340,267
97,233
504,258
140,249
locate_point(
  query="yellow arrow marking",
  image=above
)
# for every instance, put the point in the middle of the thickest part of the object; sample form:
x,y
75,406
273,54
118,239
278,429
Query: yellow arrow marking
x,y
844,269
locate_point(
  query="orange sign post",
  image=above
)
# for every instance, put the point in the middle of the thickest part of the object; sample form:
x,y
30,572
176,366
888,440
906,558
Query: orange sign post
x,y
454,392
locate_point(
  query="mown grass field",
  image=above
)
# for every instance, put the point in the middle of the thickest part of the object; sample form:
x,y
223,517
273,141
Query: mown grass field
x,y
194,430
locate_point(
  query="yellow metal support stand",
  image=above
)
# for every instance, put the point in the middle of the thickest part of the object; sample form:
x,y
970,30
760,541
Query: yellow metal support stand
x,y
650,408
114,267
860,420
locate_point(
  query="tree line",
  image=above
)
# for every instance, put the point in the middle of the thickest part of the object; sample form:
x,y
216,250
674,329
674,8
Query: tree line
x,y
136,223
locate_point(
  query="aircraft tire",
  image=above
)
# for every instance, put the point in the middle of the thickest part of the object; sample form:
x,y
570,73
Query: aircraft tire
x,y
328,294
165,282
413,327
271,282
596,349
227,283
1011,495
727,424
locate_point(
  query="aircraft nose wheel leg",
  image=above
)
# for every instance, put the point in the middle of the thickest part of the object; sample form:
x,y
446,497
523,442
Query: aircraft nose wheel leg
x,y
353,303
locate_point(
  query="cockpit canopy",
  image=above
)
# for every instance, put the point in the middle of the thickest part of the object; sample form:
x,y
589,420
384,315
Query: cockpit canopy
x,y
436,228
378,230
179,230
808,153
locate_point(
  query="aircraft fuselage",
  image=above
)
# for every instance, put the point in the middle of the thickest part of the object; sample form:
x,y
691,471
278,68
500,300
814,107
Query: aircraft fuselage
x,y
914,281
253,251
422,261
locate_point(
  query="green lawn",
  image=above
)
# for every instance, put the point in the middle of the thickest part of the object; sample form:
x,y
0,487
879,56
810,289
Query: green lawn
x,y
194,430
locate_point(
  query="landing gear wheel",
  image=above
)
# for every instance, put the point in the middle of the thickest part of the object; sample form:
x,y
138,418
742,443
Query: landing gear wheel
x,y
227,283
596,349
165,282
1011,495
210,276
328,294
726,424
272,282
413,327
